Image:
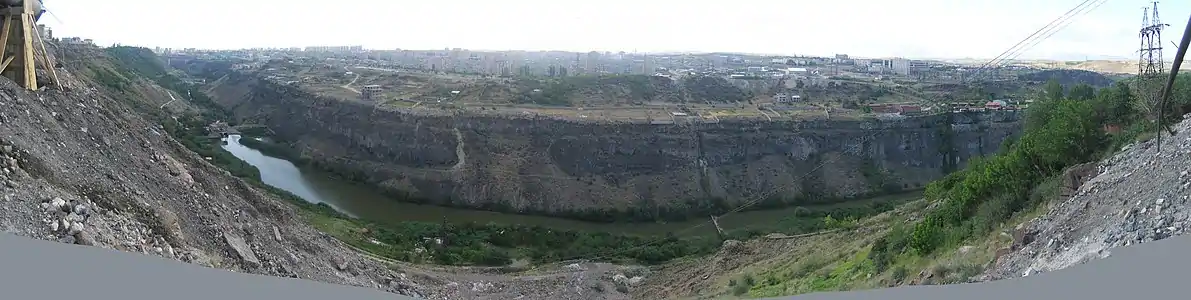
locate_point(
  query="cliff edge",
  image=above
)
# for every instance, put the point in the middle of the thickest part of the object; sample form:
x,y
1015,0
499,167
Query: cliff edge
x,y
599,170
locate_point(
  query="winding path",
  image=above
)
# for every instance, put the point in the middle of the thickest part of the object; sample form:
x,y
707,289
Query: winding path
x,y
348,86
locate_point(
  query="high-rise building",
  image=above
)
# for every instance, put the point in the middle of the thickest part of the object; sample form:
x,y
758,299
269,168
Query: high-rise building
x,y
647,65
900,66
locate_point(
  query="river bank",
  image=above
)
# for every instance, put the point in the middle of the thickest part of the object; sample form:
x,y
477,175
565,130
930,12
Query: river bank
x,y
361,201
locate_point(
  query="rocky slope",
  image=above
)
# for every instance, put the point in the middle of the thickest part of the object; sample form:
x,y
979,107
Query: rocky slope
x,y
86,166
568,168
1138,195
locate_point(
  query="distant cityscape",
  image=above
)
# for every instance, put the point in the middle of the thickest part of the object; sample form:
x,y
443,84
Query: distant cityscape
x,y
564,64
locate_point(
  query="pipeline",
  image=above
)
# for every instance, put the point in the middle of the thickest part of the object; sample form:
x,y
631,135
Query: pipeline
x,y
38,9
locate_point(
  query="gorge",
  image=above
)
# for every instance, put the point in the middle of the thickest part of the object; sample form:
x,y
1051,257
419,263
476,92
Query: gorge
x,y
610,171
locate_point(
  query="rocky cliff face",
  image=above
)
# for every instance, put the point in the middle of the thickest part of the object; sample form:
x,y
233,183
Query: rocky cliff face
x,y
567,168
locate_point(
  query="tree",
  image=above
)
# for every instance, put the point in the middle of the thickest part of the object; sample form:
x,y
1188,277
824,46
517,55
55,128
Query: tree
x,y
1081,92
1054,90
1114,104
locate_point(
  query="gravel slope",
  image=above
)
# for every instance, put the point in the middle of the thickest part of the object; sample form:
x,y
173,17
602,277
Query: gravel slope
x,y
1138,195
82,167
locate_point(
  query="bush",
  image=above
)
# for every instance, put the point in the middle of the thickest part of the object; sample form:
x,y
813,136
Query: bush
x,y
900,273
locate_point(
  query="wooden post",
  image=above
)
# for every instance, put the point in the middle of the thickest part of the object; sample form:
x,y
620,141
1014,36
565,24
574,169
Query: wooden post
x,y
4,40
27,32
6,62
46,60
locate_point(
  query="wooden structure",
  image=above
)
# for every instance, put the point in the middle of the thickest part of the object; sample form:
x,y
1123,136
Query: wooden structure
x,y
21,45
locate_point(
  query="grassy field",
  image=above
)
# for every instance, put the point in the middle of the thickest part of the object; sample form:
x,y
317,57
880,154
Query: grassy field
x,y
833,261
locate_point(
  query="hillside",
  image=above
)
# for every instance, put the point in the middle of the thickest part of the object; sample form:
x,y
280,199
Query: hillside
x,y
1099,66
120,162
1069,77
1063,193
116,162
1135,196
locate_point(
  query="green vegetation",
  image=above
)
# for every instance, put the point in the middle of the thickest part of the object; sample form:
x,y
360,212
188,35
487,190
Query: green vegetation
x,y
1061,130
715,89
557,91
189,131
443,243
970,206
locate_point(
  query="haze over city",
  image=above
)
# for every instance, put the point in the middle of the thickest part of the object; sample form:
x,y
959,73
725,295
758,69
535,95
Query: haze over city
x,y
866,28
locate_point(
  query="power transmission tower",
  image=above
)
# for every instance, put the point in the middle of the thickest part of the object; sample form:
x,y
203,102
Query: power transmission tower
x,y
1150,65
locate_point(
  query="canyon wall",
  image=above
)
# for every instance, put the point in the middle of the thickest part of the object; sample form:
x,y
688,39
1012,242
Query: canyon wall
x,y
582,169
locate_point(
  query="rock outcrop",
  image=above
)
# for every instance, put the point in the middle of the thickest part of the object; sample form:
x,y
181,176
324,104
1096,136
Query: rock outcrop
x,y
568,168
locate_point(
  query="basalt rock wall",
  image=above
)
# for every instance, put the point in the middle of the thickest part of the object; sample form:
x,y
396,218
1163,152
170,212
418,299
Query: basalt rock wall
x,y
569,168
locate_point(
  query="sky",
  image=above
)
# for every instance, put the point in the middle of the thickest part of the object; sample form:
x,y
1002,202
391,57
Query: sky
x,y
863,28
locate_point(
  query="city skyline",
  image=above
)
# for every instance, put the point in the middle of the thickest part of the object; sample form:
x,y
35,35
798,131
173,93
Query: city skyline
x,y
908,29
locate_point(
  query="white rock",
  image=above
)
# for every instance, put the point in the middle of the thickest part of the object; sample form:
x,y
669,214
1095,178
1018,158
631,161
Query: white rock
x,y
76,227
620,278
637,279
57,203
965,249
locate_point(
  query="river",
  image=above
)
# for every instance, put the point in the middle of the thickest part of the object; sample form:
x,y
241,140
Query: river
x,y
366,203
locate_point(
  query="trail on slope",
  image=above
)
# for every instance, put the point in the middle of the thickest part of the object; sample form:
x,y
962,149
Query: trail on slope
x,y
348,86
460,154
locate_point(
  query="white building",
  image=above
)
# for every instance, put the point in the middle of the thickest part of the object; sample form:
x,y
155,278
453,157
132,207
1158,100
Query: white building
x,y
900,66
783,98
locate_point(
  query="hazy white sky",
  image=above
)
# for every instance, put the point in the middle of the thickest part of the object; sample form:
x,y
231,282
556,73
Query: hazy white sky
x,y
872,28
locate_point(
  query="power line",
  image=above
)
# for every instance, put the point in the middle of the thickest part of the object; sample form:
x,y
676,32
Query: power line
x,y
1060,27
1046,31
1028,38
